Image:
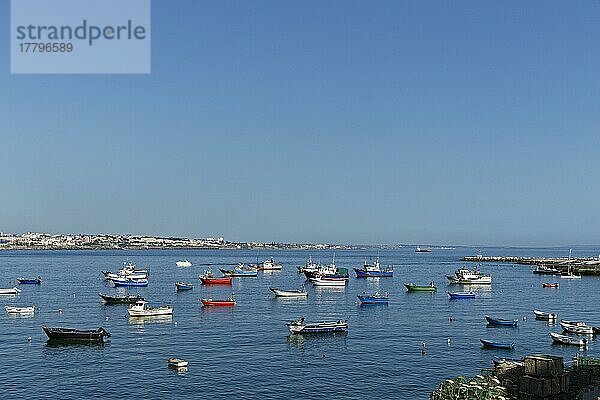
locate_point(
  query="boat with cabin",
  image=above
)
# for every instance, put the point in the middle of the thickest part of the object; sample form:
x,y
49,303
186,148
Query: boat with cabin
x,y
461,295
568,340
269,265
411,287
180,286
10,291
544,315
123,299
129,270
497,345
299,326
501,321
373,298
289,293
183,263
241,270
543,270
141,309
19,310
374,270
310,267
464,276
30,281
76,335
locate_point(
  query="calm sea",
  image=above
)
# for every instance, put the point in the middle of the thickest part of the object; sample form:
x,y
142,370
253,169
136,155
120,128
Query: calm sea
x,y
246,352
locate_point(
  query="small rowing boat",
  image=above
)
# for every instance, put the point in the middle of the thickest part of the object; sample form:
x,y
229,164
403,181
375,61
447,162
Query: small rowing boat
x,y
501,322
218,303
577,328
19,310
411,287
373,298
69,334
10,291
289,293
299,326
564,339
140,309
177,363
125,299
461,295
184,286
209,279
128,282
544,316
30,281
497,345
550,285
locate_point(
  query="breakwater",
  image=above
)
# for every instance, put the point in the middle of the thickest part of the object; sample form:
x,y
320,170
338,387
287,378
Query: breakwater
x,y
580,266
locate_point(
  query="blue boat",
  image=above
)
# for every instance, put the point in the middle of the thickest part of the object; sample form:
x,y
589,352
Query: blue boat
x,y
374,271
496,345
375,298
30,281
184,286
501,322
461,295
125,282
240,270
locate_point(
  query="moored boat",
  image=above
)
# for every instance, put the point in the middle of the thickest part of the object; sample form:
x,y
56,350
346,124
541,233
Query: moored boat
x,y
240,271
373,298
183,263
500,321
461,295
177,363
289,293
497,345
269,265
209,279
219,303
128,282
374,270
543,270
184,286
140,309
411,287
328,281
30,281
310,267
10,291
69,334
20,310
125,299
544,315
550,285
464,276
564,339
420,249
299,326
578,329
129,270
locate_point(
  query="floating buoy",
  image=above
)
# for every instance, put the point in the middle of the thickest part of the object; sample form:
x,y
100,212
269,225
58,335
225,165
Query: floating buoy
x,y
106,318
423,352
448,341
73,294
60,310
29,339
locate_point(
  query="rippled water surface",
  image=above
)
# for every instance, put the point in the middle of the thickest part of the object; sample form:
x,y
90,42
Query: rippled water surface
x,y
246,352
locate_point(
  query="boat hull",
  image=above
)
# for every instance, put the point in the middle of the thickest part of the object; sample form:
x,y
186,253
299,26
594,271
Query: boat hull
x,y
420,288
288,293
217,303
27,281
10,291
151,312
19,310
361,273
501,322
368,300
120,299
495,345
216,281
461,295
562,339
544,316
128,283
314,328
67,334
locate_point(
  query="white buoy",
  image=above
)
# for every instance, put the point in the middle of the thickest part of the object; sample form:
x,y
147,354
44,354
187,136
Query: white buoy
x,y
448,341
60,310
106,318
29,339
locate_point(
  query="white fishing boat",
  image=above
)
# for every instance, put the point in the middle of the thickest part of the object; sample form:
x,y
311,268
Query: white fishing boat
x,y
289,293
269,265
177,363
10,291
310,266
128,271
578,328
544,315
19,310
140,309
464,276
299,326
564,339
569,274
183,263
328,281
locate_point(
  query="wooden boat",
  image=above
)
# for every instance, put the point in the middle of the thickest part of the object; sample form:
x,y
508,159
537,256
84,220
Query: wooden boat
x,y
461,295
10,291
183,263
299,326
544,316
564,339
128,282
411,287
579,329
30,281
497,345
289,293
543,270
125,299
140,309
464,276
240,271
374,270
500,321
550,285
177,363
19,310
68,334
209,279
373,298
184,286
218,303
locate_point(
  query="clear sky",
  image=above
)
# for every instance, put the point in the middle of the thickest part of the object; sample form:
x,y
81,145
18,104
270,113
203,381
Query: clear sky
x,y
471,122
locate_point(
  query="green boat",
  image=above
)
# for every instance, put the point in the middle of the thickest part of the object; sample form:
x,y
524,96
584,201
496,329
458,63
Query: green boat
x,y
411,287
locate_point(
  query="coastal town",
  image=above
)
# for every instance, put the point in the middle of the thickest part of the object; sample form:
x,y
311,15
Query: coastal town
x,y
47,241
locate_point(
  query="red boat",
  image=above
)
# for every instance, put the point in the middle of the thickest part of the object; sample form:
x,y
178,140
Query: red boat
x,y
222,303
549,285
209,279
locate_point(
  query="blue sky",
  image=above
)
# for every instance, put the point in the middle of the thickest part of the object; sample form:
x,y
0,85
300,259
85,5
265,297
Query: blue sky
x,y
470,122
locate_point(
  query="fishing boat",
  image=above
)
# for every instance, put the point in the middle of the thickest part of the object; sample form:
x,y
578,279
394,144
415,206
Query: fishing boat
x,y
569,275
374,270
411,287
10,291
544,315
269,265
177,363
209,279
30,281
331,271
240,271
461,295
125,299
464,276
497,345
500,321
575,323
184,286
299,326
328,281
310,267
140,309
289,293
564,339
543,270
19,310
218,303
69,334
128,282
373,298
550,285
578,329
420,249
129,270
183,263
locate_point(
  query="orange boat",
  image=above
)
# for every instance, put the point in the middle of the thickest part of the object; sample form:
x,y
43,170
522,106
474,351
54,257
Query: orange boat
x,y
219,303
209,279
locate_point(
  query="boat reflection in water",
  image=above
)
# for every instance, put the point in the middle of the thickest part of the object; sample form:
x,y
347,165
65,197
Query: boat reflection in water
x,y
314,342
158,319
